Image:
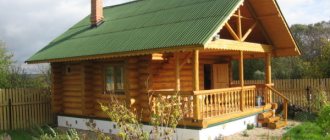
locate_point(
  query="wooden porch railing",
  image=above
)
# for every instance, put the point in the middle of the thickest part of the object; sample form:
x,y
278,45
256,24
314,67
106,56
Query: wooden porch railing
x,y
218,102
203,104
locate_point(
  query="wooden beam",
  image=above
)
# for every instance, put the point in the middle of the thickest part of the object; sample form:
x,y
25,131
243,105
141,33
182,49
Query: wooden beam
x,y
241,68
241,79
196,70
239,25
177,72
225,44
248,32
268,68
242,17
157,56
231,31
254,15
268,71
196,100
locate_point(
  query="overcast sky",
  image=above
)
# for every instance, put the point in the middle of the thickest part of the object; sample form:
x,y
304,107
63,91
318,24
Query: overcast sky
x,y
28,25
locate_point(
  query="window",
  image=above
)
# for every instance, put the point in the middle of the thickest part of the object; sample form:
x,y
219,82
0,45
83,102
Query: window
x,y
67,69
114,79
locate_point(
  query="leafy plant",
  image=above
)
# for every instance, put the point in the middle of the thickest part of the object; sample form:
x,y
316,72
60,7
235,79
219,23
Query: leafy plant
x,y
166,113
129,126
70,134
100,135
324,120
320,100
250,126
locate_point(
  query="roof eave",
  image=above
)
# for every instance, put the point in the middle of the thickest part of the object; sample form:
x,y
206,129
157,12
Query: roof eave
x,y
121,54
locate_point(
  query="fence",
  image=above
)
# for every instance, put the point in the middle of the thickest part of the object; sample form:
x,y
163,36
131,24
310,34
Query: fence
x,y
296,89
24,108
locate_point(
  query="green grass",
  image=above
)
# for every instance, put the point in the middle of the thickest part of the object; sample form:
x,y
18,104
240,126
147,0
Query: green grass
x,y
305,131
19,135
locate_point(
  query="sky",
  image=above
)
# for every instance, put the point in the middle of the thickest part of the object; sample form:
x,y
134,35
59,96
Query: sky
x,y
26,26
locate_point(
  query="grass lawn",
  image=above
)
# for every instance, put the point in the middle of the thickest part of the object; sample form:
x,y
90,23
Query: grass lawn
x,y
19,135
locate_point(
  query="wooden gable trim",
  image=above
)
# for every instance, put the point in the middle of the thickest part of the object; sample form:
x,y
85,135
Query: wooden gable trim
x,y
287,27
225,44
254,15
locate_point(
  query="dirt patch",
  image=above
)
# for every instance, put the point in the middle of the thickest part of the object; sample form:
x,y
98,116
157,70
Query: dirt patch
x,y
263,133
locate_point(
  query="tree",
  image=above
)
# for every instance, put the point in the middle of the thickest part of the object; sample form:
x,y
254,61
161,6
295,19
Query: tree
x,y
5,63
13,75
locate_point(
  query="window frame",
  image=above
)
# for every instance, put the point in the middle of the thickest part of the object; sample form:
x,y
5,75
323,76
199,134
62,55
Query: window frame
x,y
114,79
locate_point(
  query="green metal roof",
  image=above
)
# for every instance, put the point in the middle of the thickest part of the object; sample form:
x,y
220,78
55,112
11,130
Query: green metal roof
x,y
142,25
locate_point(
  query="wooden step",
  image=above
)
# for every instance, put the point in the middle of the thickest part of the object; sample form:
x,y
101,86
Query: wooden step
x,y
277,125
272,119
274,106
264,115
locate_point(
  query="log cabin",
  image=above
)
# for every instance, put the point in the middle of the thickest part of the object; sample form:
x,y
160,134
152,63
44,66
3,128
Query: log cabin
x,y
162,47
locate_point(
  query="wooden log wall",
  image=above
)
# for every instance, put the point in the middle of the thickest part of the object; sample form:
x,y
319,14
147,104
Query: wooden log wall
x,y
132,82
73,89
57,73
164,73
79,91
145,82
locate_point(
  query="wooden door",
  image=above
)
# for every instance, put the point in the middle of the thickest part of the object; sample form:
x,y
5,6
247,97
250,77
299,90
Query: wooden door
x,y
220,74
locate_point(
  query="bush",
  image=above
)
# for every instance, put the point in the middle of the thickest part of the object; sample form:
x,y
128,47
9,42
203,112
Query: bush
x,y
305,131
319,100
324,119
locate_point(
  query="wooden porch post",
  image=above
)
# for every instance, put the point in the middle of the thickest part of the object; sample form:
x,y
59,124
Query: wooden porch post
x,y
268,71
177,72
196,84
268,68
241,79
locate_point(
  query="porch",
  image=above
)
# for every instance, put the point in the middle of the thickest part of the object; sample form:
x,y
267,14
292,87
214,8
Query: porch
x,y
222,101
205,108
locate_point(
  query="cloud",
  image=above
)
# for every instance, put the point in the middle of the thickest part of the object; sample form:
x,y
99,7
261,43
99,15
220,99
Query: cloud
x,y
28,25
305,11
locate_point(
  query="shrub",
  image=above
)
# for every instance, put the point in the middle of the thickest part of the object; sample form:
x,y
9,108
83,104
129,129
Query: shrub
x,y
319,100
166,116
250,126
305,131
324,119
70,134
127,121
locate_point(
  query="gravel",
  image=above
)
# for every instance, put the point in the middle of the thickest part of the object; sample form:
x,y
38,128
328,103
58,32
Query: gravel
x,y
263,133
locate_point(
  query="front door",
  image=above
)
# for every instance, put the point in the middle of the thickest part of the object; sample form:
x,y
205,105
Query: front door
x,y
220,74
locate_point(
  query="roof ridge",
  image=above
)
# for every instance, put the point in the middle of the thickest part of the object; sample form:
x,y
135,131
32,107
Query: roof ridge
x,y
152,11
117,5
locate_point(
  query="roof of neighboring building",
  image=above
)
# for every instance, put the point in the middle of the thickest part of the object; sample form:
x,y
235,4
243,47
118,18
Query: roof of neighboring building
x,y
140,26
